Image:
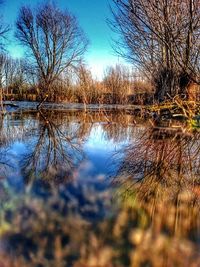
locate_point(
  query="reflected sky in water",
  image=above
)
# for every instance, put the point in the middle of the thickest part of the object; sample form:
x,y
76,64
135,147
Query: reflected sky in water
x,y
46,142
130,191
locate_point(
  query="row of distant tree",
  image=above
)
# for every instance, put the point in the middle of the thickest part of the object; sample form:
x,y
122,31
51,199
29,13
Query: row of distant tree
x,y
159,37
118,85
53,67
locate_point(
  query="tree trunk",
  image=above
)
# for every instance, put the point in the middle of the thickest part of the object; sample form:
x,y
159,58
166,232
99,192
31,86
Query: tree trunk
x,y
42,102
1,100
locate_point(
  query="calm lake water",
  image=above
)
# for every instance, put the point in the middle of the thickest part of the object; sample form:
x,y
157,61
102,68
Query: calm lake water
x,y
97,188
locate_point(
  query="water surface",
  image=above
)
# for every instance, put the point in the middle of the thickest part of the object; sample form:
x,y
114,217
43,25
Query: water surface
x,y
97,188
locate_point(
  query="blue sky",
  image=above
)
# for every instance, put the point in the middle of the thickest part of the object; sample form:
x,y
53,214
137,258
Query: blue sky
x,y
92,16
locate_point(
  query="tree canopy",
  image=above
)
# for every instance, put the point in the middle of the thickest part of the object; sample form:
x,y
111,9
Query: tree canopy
x,y
53,39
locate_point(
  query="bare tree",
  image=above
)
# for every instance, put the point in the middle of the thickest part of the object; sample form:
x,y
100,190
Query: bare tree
x,y
2,63
117,83
86,90
3,31
53,39
161,37
12,74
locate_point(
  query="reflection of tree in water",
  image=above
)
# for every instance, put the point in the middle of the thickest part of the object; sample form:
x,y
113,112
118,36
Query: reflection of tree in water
x,y
58,230
54,138
167,159
116,124
56,146
53,151
120,127
5,164
159,179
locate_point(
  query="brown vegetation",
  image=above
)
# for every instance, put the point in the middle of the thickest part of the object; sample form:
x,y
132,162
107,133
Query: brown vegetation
x,y
54,41
162,39
158,176
119,86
